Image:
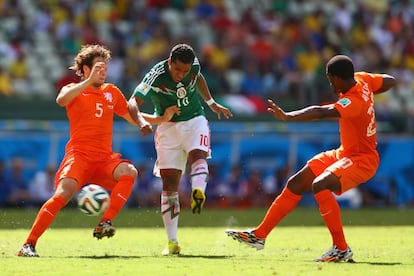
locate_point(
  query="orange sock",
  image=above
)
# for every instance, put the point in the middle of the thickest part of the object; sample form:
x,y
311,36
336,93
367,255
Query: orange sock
x,y
45,217
119,196
331,214
281,206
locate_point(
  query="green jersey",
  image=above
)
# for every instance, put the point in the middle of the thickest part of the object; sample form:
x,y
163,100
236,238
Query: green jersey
x,y
164,92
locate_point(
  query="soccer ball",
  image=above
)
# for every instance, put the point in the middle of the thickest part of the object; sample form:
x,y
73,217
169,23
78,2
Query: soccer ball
x,y
93,200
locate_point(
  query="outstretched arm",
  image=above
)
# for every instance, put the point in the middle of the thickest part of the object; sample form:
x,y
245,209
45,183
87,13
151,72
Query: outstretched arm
x,y
146,120
310,113
204,91
136,115
388,82
129,119
166,117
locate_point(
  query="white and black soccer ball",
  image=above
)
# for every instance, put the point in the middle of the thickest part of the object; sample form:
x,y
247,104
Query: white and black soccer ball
x,y
93,200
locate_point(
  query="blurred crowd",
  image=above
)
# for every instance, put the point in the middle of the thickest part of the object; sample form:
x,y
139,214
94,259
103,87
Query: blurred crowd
x,y
17,189
240,188
254,48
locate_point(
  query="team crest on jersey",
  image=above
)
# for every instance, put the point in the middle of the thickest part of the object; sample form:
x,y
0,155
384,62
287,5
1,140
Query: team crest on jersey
x,y
108,96
181,92
344,102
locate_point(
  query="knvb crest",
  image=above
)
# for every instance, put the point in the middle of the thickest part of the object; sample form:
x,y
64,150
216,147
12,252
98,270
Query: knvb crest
x,y
108,96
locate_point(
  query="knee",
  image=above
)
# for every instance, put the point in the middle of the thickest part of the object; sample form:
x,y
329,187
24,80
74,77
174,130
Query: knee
x,y
326,181
320,186
66,189
129,170
317,187
297,185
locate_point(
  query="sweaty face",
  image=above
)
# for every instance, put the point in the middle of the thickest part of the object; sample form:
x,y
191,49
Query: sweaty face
x,y
178,70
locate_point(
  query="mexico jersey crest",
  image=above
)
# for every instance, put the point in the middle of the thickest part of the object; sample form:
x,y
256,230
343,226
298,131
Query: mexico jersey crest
x,y
181,91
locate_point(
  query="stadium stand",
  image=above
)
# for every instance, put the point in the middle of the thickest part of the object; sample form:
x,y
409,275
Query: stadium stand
x,y
249,50
283,44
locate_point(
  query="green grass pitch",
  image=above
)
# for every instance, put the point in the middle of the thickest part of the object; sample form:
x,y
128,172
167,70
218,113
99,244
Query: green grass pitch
x,y
382,241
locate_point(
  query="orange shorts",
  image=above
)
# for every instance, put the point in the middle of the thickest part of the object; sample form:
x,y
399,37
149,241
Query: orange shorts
x,y
96,168
351,170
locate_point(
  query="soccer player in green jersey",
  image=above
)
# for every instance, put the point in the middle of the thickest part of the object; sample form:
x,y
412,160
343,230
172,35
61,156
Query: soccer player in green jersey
x,y
178,81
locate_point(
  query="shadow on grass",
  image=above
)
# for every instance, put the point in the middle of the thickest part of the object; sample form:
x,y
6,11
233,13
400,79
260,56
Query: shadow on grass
x,y
369,263
379,263
105,257
139,257
205,256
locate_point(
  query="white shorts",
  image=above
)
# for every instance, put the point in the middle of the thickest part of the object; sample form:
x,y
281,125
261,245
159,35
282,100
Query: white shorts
x,y
174,140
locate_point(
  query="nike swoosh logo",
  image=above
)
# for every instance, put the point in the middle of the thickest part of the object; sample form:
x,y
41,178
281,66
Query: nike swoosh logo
x,y
325,214
50,213
121,196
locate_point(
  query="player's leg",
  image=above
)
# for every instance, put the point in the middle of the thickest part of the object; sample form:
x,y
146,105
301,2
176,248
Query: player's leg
x,y
69,175
341,176
324,184
170,208
47,213
329,209
298,184
117,175
195,136
170,164
198,177
124,175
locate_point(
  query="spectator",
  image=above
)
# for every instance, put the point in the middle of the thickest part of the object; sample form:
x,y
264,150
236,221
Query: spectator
x,y
69,77
228,190
146,192
5,189
251,83
20,194
252,193
6,88
273,184
42,186
19,74
213,182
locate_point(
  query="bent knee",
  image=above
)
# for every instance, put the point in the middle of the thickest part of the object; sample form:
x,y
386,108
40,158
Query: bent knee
x,y
298,186
326,181
131,171
126,169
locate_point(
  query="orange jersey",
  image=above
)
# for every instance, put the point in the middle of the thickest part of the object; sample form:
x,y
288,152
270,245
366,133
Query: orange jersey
x,y
357,124
91,118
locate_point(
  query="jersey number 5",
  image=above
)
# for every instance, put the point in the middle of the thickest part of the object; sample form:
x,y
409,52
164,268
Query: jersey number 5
x,y
99,110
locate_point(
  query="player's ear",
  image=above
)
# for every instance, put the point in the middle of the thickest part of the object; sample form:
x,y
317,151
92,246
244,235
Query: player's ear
x,y
86,70
169,63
